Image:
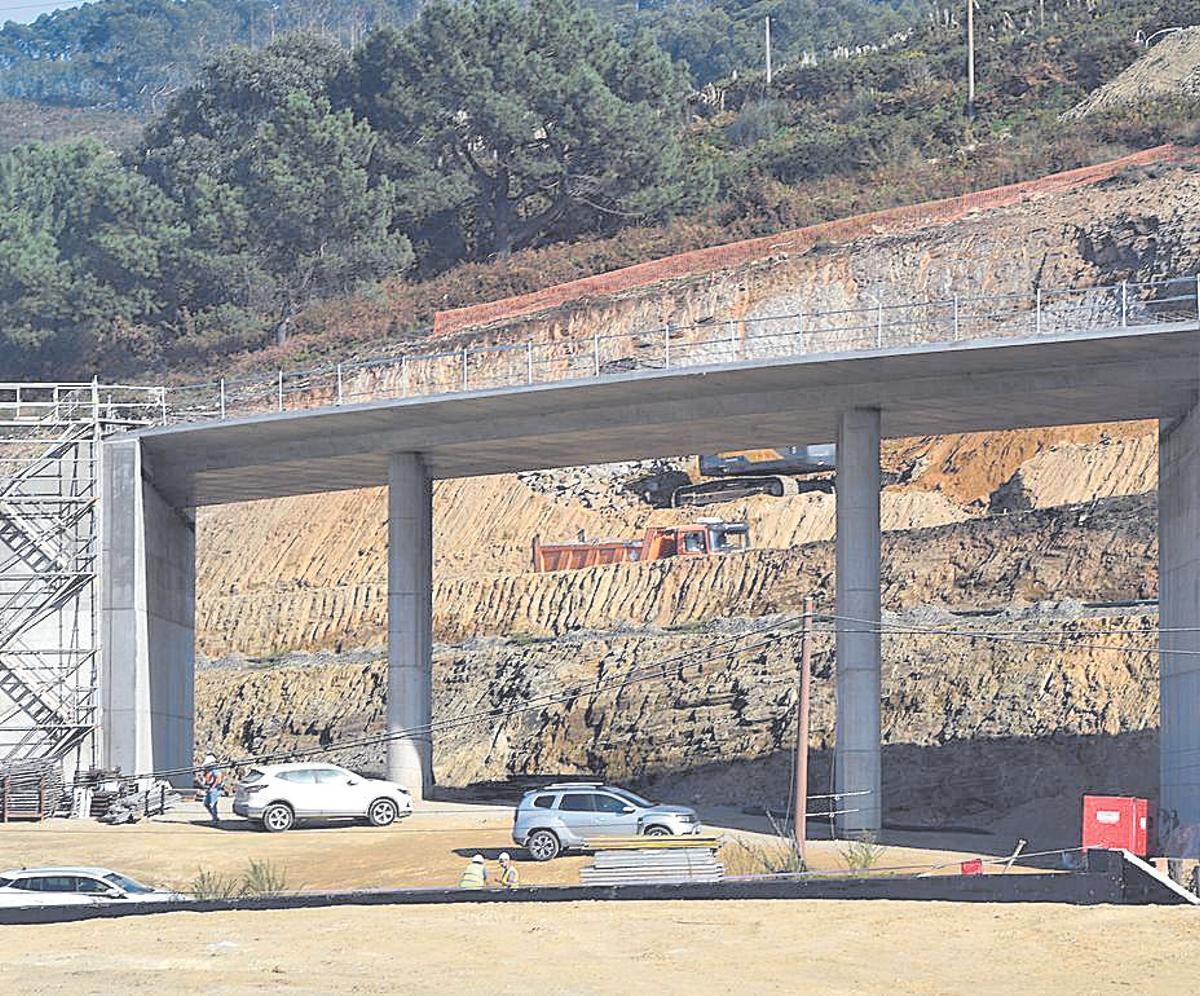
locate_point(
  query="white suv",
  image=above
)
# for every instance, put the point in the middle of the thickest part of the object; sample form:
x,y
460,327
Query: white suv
x,y
279,794
76,886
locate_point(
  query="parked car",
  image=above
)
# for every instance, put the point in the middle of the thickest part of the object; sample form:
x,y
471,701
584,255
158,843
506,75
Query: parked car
x,y
74,886
11,898
567,815
278,795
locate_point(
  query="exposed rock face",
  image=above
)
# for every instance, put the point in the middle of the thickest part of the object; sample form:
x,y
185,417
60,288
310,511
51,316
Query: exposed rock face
x,y
971,722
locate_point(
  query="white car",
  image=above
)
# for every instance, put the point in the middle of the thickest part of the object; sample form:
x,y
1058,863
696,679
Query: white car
x,y
75,887
278,795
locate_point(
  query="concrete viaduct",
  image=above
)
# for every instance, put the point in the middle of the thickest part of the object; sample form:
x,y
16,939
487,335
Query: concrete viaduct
x,y
153,480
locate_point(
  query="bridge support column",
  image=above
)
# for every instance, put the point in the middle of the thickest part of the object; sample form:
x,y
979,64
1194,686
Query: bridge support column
x,y
1179,619
857,749
410,637
147,624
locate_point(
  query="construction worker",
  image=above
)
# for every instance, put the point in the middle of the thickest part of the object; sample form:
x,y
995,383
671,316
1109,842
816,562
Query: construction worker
x,y
211,781
510,878
474,876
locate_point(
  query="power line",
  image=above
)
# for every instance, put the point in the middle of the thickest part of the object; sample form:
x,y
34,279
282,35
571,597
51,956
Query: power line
x,y
895,629
602,686
633,676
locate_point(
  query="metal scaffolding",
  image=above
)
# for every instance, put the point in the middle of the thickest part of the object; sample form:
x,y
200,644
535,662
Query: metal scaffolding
x,y
49,562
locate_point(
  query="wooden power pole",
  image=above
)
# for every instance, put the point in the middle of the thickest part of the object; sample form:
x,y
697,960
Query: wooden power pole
x,y
800,826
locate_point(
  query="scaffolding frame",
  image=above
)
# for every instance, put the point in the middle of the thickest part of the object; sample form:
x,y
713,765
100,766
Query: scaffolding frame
x,y
50,549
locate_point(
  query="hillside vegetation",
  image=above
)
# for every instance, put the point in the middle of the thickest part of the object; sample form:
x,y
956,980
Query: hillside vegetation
x,y
138,54
490,148
23,121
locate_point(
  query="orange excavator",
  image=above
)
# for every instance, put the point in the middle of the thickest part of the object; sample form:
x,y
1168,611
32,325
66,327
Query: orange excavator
x,y
697,539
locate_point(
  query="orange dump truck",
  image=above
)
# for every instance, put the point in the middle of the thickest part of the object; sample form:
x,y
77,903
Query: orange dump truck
x,y
697,539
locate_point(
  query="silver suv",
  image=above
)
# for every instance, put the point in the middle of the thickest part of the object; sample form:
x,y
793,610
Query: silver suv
x,y
570,815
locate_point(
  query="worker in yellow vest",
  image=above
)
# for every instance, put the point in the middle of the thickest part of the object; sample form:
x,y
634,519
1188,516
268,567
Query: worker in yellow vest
x,y
510,878
474,876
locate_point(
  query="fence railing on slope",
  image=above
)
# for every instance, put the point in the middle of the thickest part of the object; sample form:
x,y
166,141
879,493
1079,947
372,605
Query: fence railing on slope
x,y
880,325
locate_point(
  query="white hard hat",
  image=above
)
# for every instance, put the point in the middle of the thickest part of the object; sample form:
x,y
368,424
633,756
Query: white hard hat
x,y
504,856
478,859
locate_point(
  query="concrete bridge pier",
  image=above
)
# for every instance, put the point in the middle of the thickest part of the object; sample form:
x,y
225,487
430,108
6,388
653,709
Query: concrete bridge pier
x,y
410,624
148,600
857,748
1179,619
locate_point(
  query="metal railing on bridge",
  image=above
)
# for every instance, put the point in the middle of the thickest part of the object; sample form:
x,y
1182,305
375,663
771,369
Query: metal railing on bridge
x,y
750,338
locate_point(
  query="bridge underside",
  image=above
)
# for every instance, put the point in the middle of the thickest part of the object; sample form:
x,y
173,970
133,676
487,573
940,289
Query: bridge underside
x,y
856,399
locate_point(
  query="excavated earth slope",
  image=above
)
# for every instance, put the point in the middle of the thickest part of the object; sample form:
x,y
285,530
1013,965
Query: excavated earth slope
x,y
1170,69
974,522
309,573
972,725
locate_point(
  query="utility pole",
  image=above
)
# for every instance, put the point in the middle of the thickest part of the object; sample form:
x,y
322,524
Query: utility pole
x,y
768,33
800,826
970,60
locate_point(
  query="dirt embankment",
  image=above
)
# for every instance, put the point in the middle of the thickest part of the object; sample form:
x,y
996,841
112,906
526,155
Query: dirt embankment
x,y
310,573
1171,68
1103,552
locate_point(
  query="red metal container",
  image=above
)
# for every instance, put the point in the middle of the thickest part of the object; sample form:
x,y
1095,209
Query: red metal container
x,y
1116,822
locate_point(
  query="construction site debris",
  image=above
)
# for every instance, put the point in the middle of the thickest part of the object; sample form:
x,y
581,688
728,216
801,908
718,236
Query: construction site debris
x,y
110,797
654,865
31,790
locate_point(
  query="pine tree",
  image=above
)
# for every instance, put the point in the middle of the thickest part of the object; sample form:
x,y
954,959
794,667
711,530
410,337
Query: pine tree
x,y
514,122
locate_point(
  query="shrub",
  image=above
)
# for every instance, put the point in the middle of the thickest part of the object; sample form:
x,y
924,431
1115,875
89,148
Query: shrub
x,y
262,878
862,854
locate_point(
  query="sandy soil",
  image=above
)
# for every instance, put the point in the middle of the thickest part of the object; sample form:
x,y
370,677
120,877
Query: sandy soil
x,y
576,948
428,850
704,947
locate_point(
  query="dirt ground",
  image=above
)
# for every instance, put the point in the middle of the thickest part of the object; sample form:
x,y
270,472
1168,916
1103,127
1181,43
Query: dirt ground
x,y
594,947
427,850
704,947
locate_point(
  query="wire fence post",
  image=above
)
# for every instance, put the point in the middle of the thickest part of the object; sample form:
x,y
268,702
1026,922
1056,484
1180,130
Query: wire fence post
x,y
529,362
464,368
1037,311
1198,297
733,341
1124,304
162,401
279,390
222,397
339,383
596,353
404,376
956,318
667,346
879,326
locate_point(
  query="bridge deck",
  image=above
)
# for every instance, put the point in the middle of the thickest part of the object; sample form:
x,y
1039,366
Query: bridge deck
x,y
1105,375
